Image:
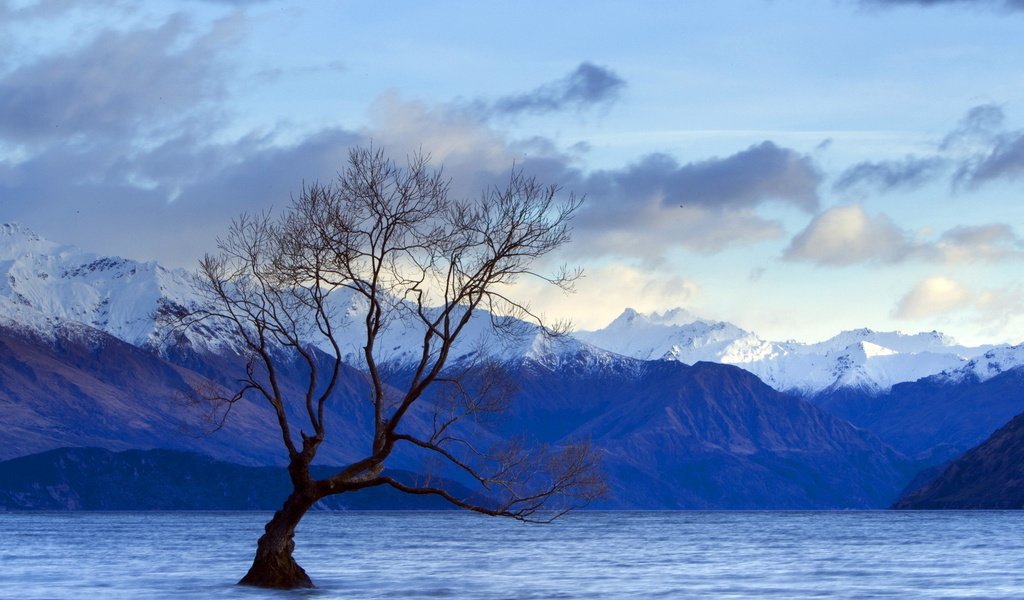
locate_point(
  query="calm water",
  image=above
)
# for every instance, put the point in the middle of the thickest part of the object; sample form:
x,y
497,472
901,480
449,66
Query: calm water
x,y
587,555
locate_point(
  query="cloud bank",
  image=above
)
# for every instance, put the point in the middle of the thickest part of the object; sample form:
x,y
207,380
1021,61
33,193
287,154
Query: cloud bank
x,y
847,235
980,150
134,123
119,83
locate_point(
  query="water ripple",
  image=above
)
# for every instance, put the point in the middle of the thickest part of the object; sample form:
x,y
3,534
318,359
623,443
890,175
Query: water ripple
x,y
592,555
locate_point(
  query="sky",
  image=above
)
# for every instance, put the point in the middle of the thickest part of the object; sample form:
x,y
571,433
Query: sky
x,y
795,167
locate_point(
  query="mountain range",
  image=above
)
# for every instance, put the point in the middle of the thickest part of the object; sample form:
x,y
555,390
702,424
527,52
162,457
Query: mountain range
x,y
687,413
860,359
989,476
98,479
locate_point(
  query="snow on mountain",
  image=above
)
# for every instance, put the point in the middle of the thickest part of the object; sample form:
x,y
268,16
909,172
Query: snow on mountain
x,y
986,366
45,286
864,359
44,283
678,335
400,342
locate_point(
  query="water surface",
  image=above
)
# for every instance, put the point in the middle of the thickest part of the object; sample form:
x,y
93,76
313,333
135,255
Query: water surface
x,y
588,555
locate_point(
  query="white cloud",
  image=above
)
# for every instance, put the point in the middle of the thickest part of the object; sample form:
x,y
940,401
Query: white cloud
x,y
650,230
989,314
981,243
606,290
845,235
933,297
456,139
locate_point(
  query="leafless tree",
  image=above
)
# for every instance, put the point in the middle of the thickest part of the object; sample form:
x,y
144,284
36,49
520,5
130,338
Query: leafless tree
x,y
394,236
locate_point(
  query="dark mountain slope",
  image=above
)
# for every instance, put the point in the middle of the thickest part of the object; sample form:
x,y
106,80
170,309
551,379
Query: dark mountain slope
x,y
934,419
990,476
86,388
707,436
673,436
98,479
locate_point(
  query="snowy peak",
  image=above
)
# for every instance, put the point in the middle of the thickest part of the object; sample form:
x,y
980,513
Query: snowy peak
x,y
43,284
675,316
874,368
675,335
895,341
870,350
860,358
16,240
986,366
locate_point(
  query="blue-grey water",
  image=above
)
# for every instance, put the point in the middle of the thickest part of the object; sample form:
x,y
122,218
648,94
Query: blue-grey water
x,y
588,555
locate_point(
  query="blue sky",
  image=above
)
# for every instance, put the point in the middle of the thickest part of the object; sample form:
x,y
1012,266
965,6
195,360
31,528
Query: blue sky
x,y
797,167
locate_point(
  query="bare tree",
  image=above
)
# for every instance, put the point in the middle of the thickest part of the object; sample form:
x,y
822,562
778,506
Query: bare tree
x,y
395,237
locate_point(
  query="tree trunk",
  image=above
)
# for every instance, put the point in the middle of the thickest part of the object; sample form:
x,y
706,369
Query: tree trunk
x,y
273,566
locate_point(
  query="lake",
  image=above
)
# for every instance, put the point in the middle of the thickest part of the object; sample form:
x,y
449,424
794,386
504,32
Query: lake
x,y
592,555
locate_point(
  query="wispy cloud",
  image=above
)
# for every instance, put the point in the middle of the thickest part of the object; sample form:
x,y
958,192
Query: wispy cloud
x,y
981,125
119,83
999,4
847,235
1005,160
989,150
979,150
885,176
586,86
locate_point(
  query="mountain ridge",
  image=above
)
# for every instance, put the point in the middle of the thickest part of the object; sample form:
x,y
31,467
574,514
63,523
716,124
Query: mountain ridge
x,y
989,476
43,284
675,435
863,359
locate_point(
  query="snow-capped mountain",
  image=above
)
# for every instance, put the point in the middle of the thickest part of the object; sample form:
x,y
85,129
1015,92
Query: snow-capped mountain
x,y
672,435
45,285
678,335
400,343
986,366
869,360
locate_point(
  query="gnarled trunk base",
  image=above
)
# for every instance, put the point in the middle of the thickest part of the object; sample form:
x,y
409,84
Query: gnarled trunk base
x,y
274,566
280,571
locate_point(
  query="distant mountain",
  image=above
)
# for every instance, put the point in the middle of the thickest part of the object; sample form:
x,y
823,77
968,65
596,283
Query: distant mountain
x,y
83,387
986,366
990,476
705,436
47,287
861,359
936,418
44,284
84,362
98,479
708,436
